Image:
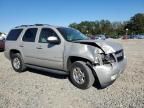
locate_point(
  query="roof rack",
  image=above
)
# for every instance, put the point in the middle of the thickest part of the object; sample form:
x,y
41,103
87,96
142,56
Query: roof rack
x,y
42,24
32,25
38,24
23,26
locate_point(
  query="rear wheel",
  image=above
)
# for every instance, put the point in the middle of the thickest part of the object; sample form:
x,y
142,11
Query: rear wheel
x,y
81,75
17,62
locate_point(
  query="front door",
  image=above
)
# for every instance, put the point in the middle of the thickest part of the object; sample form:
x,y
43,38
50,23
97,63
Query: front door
x,y
49,55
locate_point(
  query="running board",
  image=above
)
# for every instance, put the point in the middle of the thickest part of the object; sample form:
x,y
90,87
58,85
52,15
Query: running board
x,y
48,70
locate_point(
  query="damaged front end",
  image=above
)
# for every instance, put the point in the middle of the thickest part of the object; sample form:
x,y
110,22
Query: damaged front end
x,y
109,63
110,67
110,58
102,59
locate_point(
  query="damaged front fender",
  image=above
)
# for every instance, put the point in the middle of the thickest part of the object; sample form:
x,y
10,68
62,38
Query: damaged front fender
x,y
80,50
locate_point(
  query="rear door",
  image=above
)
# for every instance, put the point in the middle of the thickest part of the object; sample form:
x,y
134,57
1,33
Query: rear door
x,y
28,45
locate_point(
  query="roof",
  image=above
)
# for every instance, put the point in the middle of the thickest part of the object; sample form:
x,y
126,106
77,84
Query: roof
x,y
35,25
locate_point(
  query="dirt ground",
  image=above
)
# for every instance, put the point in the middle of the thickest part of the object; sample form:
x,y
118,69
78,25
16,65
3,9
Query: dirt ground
x,y
37,89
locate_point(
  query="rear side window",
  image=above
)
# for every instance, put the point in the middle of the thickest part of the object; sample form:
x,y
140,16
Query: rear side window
x,y
30,35
14,34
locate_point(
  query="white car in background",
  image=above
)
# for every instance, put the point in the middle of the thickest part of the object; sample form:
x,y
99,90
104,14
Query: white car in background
x,y
3,36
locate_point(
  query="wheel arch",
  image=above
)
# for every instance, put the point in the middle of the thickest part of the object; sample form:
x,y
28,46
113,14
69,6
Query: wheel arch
x,y
89,63
13,51
72,59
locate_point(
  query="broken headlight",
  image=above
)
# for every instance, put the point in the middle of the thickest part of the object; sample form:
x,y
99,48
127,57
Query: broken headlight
x,y
108,58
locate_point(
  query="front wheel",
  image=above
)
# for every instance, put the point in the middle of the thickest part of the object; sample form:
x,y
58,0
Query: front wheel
x,y
81,75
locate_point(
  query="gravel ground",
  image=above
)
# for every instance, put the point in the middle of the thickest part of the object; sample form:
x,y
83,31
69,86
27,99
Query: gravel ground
x,y
37,89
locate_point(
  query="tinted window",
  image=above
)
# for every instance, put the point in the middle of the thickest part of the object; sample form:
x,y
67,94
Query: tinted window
x,y
45,33
71,34
14,34
30,35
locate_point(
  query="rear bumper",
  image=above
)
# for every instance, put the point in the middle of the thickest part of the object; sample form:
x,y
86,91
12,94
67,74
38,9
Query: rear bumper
x,y
107,74
2,46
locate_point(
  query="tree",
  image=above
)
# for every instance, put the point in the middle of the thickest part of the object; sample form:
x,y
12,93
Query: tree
x,y
136,24
113,29
74,25
100,27
105,26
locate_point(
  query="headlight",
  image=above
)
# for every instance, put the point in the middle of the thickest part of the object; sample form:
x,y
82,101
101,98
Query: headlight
x,y
97,61
107,58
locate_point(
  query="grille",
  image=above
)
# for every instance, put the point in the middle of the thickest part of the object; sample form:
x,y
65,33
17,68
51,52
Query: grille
x,y
119,55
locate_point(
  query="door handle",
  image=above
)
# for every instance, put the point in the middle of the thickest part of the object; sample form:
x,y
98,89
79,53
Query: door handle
x,y
21,45
39,47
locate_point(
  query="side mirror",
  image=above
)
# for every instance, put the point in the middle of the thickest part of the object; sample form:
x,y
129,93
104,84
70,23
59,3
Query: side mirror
x,y
53,40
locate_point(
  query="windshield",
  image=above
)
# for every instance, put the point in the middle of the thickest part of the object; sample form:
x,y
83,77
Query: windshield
x,y
71,34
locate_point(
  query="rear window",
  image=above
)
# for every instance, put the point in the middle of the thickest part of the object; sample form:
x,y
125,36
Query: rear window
x,y
14,34
30,35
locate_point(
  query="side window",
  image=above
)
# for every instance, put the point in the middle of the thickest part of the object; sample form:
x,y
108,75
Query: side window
x,y
30,35
14,34
45,33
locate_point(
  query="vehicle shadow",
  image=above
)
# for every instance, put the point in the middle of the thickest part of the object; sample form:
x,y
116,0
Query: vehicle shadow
x,y
97,85
59,76
48,73
1,51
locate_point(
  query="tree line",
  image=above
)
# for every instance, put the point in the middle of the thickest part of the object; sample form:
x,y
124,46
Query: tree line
x,y
112,29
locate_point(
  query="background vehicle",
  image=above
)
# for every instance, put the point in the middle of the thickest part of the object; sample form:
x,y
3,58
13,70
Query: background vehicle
x,y
135,36
99,37
2,44
65,51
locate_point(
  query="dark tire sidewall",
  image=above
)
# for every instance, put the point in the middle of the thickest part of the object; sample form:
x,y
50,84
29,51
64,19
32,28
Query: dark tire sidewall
x,y
21,62
85,70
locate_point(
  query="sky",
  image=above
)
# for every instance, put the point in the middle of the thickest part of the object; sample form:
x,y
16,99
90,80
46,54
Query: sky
x,y
64,12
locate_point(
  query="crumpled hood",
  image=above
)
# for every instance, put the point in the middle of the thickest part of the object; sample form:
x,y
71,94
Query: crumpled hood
x,y
106,45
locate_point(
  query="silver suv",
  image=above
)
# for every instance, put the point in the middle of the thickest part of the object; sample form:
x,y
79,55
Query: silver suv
x,y
65,51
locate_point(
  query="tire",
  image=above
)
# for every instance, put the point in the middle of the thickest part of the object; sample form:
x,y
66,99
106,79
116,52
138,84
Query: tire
x,y
85,78
16,58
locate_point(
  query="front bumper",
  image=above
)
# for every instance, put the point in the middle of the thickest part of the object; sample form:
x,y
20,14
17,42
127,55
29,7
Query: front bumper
x,y
107,74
